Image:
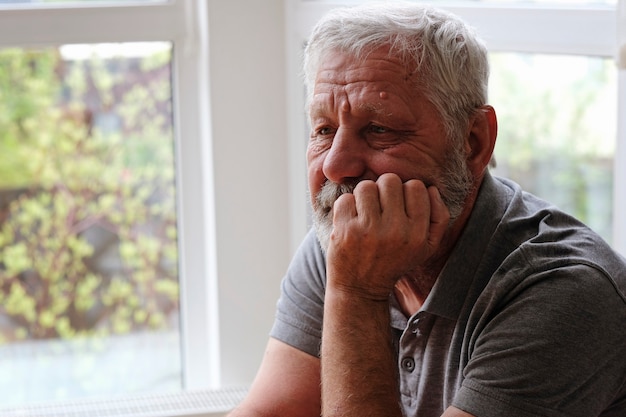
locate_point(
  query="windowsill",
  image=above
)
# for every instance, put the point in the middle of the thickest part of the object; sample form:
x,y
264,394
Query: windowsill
x,y
199,403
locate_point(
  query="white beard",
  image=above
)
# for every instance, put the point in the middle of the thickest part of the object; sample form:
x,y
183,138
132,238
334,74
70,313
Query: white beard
x,y
455,183
323,210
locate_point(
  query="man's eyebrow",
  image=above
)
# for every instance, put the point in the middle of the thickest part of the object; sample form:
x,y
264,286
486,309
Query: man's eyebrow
x,y
319,110
369,108
374,109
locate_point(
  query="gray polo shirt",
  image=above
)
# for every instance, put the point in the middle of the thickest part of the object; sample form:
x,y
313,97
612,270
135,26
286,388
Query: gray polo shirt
x,y
527,318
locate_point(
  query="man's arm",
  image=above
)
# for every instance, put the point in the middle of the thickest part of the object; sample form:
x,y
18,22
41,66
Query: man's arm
x,y
381,232
287,385
359,372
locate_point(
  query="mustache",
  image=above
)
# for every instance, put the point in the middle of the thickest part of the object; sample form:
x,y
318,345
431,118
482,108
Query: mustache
x,y
329,193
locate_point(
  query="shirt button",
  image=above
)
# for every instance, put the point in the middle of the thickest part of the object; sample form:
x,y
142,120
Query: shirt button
x,y
408,364
415,327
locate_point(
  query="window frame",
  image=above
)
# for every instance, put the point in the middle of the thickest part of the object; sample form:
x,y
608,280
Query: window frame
x,y
619,194
235,210
182,22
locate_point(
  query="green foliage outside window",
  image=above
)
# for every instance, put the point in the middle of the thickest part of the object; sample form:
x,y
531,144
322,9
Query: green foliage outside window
x,y
88,238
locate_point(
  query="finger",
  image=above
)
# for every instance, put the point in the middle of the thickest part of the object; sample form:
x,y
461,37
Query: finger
x,y
366,195
344,208
417,201
391,194
439,217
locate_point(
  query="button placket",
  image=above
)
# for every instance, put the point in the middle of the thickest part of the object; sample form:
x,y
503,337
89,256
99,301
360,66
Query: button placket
x,y
411,351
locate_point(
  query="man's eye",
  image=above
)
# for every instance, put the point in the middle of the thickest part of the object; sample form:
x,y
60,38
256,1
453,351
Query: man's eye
x,y
324,131
378,129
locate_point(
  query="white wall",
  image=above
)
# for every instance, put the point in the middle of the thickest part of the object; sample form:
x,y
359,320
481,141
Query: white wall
x,y
250,144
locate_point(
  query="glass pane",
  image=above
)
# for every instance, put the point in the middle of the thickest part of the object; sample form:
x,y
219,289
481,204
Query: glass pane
x,y
557,130
88,239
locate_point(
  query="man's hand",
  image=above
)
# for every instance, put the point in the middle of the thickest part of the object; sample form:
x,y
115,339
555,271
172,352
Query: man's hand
x,y
382,231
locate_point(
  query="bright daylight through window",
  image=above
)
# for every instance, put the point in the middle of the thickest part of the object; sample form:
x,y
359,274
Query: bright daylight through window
x,y
550,140
88,235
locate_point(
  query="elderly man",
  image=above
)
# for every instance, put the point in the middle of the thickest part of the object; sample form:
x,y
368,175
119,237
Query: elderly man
x,y
428,287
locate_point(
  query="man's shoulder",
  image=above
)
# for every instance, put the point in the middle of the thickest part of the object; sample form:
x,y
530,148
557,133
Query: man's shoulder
x,y
309,254
533,236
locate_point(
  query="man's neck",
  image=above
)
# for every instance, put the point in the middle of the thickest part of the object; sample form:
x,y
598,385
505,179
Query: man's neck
x,y
410,296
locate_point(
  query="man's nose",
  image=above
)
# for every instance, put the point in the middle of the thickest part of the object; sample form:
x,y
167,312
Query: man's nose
x,y
346,158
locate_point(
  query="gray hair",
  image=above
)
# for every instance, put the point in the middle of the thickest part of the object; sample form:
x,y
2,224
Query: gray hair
x,y
449,58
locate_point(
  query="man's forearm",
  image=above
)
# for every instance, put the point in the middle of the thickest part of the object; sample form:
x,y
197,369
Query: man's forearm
x,y
358,363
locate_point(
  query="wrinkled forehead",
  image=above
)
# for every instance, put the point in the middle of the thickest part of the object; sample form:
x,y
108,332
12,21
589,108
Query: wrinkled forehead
x,y
369,70
375,87
361,54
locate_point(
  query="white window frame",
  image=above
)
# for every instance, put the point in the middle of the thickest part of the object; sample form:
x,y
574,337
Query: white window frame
x,y
619,219
182,23
232,168
591,30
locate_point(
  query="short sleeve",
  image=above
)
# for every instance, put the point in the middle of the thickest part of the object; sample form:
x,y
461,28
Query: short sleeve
x,y
555,346
299,312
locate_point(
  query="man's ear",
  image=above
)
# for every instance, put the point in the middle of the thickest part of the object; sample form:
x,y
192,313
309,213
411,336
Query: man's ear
x,y
481,139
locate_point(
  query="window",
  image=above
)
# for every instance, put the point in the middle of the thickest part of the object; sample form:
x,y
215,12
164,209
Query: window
x,y
230,174
559,93
102,123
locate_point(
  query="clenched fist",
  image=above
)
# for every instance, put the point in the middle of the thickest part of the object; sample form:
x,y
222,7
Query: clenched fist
x,y
383,231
